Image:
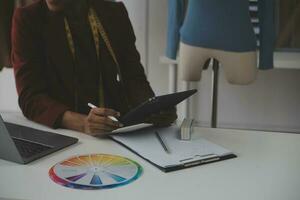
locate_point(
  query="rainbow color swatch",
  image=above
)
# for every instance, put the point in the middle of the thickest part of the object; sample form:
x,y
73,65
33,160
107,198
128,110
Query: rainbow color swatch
x,y
95,171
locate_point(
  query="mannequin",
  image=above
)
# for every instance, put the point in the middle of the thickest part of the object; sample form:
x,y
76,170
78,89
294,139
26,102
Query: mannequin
x,y
221,30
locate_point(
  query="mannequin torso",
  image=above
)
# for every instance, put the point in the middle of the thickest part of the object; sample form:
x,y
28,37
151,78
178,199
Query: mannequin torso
x,y
220,30
240,67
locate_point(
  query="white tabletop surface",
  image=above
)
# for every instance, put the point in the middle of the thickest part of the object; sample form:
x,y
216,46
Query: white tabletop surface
x,y
267,168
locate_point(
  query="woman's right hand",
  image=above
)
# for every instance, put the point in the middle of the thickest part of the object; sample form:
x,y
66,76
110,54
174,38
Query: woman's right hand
x,y
98,123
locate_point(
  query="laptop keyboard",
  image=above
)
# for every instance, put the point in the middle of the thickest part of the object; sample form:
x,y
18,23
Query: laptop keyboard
x,y
28,149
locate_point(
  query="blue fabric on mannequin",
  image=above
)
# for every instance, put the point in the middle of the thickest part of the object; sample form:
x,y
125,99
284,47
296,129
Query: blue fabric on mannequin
x,y
223,25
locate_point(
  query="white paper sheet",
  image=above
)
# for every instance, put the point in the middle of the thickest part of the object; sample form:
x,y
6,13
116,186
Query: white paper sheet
x,y
146,144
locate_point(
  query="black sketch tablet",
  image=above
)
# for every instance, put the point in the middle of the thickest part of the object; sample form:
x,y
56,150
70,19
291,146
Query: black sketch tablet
x,y
154,105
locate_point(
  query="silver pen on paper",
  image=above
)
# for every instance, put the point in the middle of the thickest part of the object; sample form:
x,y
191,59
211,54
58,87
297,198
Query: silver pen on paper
x,y
162,142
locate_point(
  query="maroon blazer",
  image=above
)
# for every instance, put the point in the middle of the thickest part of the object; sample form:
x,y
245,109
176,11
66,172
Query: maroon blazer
x,y
43,63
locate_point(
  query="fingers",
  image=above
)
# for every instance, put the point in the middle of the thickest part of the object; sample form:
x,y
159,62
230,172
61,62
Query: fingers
x,y
99,120
96,129
102,115
105,112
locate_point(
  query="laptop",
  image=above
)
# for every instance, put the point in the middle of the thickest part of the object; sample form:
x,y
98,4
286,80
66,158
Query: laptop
x,y
154,105
22,144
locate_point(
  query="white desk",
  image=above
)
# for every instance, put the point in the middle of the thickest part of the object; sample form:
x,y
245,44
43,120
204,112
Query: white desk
x,y
267,168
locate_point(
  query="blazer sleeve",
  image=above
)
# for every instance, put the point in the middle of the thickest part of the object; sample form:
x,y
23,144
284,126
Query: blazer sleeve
x,y
176,15
6,12
28,62
267,33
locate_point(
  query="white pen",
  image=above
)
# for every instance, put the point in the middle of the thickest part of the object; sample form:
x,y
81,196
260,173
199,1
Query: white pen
x,y
110,117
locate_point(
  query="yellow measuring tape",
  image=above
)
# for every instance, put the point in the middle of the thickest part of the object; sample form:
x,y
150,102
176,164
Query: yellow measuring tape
x,y
97,31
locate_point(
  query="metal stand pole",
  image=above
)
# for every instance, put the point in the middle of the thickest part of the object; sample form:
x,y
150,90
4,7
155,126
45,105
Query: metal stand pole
x,y
172,78
215,82
214,95
186,111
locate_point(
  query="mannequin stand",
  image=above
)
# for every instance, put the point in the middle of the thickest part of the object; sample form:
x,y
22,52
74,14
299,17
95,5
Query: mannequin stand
x,y
173,67
214,94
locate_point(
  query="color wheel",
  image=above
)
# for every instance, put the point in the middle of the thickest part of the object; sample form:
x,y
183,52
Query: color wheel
x,y
95,171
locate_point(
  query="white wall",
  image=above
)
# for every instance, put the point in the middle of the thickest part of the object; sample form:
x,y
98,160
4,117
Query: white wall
x,y
271,103
148,18
137,10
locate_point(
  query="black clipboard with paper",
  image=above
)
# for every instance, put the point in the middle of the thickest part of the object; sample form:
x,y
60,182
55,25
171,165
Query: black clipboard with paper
x,y
183,154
